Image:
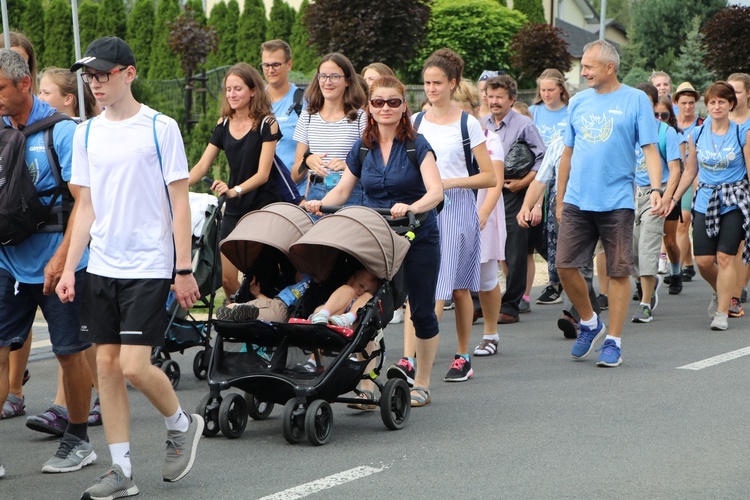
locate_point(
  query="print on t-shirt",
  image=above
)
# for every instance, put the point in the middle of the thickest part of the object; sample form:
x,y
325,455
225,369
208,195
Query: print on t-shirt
x,y
596,128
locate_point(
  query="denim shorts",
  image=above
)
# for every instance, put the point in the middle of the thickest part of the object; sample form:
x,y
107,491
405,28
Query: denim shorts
x,y
18,304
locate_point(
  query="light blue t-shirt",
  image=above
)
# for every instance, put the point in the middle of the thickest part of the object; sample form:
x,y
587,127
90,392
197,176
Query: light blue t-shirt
x,y
672,147
26,260
720,160
551,124
603,130
286,147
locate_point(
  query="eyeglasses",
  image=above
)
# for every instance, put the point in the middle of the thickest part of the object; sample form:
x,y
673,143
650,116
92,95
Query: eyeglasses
x,y
334,78
392,103
663,116
275,66
99,77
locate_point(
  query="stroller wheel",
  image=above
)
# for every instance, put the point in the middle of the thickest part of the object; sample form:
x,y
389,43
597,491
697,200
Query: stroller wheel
x,y
233,415
395,404
172,369
319,422
257,409
208,408
200,364
293,422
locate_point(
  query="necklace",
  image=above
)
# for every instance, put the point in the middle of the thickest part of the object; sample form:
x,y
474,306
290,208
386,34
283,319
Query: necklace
x,y
713,140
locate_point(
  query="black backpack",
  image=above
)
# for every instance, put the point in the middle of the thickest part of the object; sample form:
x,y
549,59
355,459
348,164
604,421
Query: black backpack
x,y
21,211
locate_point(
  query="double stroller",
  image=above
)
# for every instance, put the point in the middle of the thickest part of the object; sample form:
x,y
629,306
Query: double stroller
x,y
263,358
184,330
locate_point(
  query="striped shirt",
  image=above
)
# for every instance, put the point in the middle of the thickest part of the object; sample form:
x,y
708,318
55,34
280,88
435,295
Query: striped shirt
x,y
334,139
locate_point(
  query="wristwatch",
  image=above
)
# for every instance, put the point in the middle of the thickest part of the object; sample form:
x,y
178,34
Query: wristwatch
x,y
238,190
660,191
183,271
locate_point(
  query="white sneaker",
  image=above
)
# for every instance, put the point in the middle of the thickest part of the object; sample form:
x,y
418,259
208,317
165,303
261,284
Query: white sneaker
x,y
398,316
663,264
713,306
720,322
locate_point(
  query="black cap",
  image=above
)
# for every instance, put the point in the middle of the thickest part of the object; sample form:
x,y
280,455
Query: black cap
x,y
105,53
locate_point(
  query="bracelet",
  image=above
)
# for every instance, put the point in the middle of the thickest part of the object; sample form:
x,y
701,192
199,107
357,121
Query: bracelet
x,y
658,190
304,158
184,271
675,201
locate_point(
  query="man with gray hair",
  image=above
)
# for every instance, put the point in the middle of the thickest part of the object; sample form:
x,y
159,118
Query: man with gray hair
x,y
30,270
596,195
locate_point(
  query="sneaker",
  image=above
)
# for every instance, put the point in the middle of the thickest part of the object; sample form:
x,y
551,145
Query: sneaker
x,y
663,264
688,273
13,407
2,471
404,370
95,415
655,294
643,314
638,291
552,294
524,306
112,484
487,347
398,316
713,306
675,284
240,313
53,421
610,354
181,447
587,338
307,367
460,370
720,322
667,279
568,325
743,295
603,301
340,320
735,308
319,318
72,455
449,305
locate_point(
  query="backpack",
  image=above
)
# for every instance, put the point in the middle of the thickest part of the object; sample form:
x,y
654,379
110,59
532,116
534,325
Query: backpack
x,y
285,186
471,162
21,211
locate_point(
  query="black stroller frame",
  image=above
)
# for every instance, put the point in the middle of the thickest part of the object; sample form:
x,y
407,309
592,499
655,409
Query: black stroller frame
x,y
266,374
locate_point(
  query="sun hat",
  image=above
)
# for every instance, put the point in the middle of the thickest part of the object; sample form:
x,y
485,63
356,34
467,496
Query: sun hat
x,y
685,88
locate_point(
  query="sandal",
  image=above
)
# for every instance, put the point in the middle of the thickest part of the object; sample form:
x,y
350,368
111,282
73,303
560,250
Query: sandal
x,y
13,407
363,394
487,347
420,396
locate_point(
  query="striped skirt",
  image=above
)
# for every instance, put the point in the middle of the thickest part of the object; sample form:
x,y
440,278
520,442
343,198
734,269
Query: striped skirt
x,y
460,245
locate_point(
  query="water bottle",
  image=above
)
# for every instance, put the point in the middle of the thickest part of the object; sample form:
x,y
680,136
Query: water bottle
x,y
332,179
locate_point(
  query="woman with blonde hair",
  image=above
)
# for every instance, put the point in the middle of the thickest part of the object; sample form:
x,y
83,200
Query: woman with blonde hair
x,y
59,87
375,71
247,132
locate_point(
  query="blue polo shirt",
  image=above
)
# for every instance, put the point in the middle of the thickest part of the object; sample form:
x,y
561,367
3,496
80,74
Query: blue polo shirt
x,y
286,147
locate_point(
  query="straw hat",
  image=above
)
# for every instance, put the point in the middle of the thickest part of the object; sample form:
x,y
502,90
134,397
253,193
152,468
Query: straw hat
x,y
685,88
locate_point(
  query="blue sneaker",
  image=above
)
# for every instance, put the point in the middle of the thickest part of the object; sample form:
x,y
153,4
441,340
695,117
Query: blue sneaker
x,y
610,354
587,338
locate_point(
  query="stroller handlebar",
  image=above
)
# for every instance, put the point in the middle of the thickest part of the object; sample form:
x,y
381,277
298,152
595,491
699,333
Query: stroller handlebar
x,y
210,182
401,225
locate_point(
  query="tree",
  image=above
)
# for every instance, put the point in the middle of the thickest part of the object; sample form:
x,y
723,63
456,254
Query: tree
x,y
690,67
216,20
636,76
112,19
191,41
479,30
532,9
88,15
196,7
16,10
164,66
251,32
141,23
33,26
537,47
658,26
619,10
58,35
389,33
726,41
281,21
304,53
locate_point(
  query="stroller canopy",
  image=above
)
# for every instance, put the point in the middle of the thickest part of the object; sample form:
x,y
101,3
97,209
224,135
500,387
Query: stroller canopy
x,y
358,231
277,225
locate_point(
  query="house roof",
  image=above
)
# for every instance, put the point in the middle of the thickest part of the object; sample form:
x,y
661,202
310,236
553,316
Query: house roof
x,y
578,37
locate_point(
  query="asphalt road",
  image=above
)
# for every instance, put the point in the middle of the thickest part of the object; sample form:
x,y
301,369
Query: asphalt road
x,y
531,423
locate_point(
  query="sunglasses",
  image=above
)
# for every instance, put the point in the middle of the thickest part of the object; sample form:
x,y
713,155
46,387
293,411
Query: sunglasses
x,y
392,103
663,116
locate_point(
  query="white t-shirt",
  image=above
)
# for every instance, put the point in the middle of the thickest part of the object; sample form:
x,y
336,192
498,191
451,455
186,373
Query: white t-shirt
x,y
447,143
131,237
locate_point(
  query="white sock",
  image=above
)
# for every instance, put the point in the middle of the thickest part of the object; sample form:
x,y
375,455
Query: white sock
x,y
645,304
178,422
121,456
590,323
491,336
617,340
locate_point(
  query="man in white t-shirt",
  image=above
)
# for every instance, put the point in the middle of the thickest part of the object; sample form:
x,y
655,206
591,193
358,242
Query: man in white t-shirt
x,y
132,172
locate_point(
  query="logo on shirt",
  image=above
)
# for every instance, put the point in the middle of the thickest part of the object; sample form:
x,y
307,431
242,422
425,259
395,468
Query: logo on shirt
x,y
640,160
597,128
712,161
549,133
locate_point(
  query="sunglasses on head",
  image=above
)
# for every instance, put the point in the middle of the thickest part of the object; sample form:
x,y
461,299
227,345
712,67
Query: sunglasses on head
x,y
392,103
663,116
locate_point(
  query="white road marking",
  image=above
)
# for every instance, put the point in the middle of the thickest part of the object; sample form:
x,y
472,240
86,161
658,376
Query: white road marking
x,y
325,483
715,360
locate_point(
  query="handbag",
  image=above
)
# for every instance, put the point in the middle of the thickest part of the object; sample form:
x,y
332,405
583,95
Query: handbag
x,y
519,160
